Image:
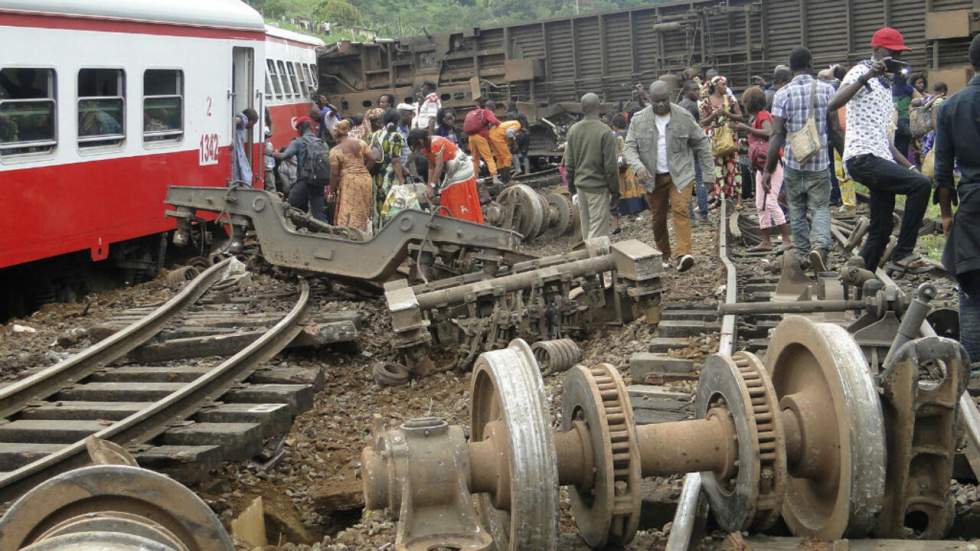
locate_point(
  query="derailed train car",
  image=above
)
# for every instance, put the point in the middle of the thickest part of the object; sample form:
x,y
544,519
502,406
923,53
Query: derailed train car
x,y
545,66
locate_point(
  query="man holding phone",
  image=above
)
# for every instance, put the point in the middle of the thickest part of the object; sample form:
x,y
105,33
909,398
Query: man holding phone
x,y
870,156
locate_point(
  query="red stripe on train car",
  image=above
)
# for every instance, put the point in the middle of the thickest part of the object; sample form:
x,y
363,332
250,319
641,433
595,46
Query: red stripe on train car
x,y
82,23
61,209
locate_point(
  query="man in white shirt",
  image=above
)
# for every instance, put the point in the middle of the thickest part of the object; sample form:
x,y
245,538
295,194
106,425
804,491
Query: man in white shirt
x,y
871,158
663,144
427,108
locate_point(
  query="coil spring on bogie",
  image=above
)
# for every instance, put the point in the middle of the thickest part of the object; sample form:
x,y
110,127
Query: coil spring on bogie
x,y
556,356
177,278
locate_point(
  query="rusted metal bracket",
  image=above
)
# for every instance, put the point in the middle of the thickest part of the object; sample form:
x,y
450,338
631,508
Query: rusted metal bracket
x,y
920,384
337,251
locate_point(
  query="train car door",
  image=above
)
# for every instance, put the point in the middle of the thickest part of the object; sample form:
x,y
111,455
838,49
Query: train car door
x,y
242,84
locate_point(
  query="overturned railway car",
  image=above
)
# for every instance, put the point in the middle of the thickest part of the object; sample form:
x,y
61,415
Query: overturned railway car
x,y
546,64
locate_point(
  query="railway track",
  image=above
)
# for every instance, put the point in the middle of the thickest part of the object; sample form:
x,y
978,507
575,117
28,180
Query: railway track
x,y
184,418
741,328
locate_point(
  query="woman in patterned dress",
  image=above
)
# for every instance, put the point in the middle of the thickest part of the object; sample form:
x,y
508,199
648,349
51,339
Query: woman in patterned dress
x,y
717,110
349,177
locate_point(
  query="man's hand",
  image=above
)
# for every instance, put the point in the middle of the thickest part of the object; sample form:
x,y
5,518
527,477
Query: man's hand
x,y
644,175
947,225
878,68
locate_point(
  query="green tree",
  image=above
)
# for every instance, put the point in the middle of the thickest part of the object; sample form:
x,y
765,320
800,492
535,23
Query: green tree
x,y
339,12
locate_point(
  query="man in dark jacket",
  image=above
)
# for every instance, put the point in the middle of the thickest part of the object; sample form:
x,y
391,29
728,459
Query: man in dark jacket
x,y
305,195
958,141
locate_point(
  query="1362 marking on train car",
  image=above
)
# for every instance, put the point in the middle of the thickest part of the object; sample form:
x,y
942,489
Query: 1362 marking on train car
x,y
208,150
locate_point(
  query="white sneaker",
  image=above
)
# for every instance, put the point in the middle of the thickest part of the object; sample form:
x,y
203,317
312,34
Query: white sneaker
x,y
685,263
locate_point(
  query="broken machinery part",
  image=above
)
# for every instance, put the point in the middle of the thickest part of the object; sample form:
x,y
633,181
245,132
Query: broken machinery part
x,y
553,297
459,245
532,213
802,436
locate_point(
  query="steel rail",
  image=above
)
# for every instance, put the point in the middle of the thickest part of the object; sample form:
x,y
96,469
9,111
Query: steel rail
x,y
157,418
44,383
690,500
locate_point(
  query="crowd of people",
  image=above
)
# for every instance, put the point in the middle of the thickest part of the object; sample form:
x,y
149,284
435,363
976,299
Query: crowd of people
x,y
797,146
359,171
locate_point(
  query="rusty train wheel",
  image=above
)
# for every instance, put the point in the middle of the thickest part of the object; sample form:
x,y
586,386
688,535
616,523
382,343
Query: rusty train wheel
x,y
752,498
836,478
509,406
609,514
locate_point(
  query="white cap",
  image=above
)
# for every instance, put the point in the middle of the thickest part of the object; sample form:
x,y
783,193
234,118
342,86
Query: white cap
x,y
406,107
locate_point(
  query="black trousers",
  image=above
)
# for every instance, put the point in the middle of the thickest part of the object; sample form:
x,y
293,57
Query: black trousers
x,y
886,179
308,198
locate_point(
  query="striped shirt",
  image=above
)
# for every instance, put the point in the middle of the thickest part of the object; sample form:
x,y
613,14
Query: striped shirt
x,y
792,104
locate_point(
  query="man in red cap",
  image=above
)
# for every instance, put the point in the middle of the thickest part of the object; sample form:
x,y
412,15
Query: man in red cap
x,y
870,156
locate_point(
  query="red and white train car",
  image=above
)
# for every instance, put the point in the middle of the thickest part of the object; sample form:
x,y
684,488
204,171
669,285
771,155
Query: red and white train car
x,y
290,80
105,103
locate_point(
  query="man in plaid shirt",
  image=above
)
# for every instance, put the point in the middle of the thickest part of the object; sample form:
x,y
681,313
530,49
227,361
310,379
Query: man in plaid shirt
x,y
807,184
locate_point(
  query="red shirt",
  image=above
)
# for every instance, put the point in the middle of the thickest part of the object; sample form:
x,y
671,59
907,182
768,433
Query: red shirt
x,y
443,147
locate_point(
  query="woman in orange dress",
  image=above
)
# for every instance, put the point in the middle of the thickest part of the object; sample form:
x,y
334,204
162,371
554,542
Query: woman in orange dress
x,y
350,179
450,174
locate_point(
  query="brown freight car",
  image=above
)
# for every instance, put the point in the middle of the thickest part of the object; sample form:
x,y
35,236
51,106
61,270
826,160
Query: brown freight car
x,y
547,65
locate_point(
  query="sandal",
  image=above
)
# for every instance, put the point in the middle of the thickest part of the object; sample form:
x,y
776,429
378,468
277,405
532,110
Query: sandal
x,y
911,264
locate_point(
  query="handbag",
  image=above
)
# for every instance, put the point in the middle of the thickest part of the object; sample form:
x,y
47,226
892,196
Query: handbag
x,y
929,164
723,139
805,142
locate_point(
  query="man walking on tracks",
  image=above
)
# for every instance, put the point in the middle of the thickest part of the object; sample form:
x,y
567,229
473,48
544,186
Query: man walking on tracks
x,y
591,163
799,110
871,158
312,170
958,140
663,145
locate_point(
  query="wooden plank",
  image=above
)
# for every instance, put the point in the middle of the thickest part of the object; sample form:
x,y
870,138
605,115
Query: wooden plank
x,y
184,374
49,432
237,440
119,392
14,456
83,411
274,418
686,328
665,344
299,397
656,404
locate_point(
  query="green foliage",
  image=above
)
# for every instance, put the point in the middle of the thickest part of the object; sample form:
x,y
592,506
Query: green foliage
x,y
398,18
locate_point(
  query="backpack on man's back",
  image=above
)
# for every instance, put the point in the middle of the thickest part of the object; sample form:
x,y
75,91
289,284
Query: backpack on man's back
x,y
313,162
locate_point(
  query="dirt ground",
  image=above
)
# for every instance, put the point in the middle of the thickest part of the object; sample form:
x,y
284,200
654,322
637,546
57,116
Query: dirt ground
x,y
320,470
311,494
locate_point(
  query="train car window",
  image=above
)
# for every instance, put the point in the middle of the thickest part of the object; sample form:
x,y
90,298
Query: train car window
x,y
101,107
163,105
27,111
304,89
274,77
314,77
268,86
292,78
284,78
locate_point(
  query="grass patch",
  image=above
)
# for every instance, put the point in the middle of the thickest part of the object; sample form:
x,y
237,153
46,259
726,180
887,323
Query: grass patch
x,y
932,246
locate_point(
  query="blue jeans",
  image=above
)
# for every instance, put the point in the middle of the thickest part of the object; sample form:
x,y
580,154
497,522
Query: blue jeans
x,y
808,192
835,196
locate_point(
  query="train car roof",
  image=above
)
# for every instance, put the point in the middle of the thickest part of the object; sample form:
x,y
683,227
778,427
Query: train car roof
x,y
222,14
276,32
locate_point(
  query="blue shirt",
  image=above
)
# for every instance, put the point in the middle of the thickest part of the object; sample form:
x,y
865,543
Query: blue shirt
x,y
241,170
792,104
404,130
